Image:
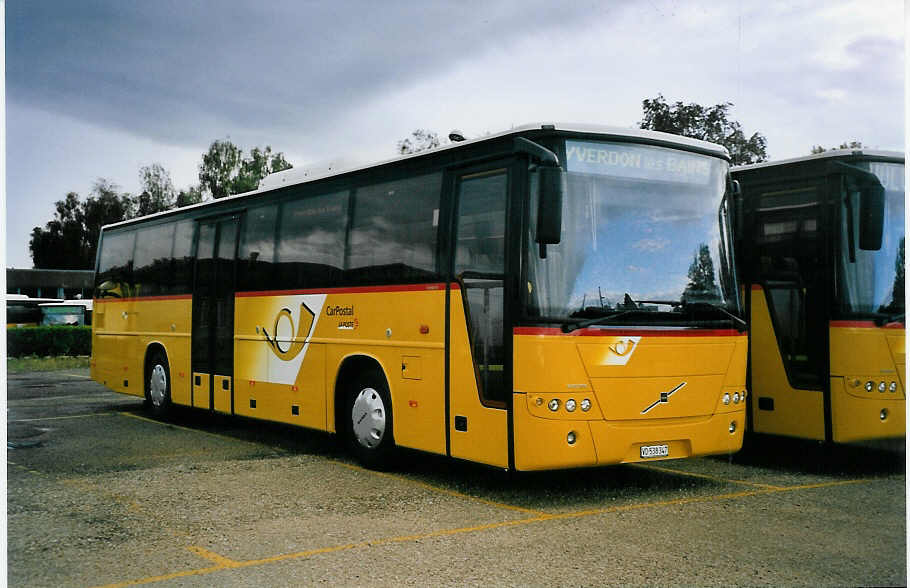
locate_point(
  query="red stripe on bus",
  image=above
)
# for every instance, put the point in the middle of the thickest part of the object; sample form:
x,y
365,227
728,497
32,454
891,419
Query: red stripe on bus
x,y
350,290
144,298
866,325
627,332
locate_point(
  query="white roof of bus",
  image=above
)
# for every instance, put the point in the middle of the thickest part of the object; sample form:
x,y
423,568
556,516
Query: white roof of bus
x,y
303,174
824,155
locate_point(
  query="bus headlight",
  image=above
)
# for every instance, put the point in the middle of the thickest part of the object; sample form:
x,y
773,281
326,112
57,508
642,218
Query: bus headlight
x,y
554,404
892,387
570,405
883,414
585,405
881,386
736,398
570,438
726,398
870,385
732,427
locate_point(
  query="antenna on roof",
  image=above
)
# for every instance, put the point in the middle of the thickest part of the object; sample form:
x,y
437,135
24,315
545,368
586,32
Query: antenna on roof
x,y
456,136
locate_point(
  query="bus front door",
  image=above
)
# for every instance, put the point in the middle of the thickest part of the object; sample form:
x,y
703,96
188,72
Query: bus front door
x,y
479,348
213,315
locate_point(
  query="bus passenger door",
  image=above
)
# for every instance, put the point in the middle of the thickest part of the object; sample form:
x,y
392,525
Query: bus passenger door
x,y
213,315
480,364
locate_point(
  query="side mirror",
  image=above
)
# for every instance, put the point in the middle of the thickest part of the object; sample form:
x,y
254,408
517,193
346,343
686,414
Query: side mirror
x,y
553,187
871,215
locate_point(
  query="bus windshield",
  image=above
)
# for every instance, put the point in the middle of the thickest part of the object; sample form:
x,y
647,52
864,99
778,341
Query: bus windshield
x,y
873,284
645,238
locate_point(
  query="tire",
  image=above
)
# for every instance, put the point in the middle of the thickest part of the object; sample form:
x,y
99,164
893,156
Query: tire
x,y
368,420
158,385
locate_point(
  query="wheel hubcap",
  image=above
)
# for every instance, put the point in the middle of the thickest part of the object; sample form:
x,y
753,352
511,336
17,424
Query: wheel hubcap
x,y
368,418
158,385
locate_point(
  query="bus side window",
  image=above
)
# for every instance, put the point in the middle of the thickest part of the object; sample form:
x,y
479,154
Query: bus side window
x,y
115,267
183,257
152,267
393,231
311,241
256,258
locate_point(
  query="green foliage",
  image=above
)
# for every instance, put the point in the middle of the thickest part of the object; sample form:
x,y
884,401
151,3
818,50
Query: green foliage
x,y
70,239
225,170
158,192
816,149
708,123
49,341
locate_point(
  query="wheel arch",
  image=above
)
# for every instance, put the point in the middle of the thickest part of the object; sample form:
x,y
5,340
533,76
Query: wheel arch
x,y
350,366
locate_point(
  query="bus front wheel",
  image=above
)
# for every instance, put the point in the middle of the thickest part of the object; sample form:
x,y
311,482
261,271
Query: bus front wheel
x,y
158,384
368,420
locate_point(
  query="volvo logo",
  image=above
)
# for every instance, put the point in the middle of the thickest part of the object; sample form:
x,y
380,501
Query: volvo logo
x,y
664,398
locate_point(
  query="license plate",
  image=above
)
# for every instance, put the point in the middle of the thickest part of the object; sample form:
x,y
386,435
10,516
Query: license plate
x,y
654,451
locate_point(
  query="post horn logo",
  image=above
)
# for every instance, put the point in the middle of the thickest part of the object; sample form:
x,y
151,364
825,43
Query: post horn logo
x,y
281,341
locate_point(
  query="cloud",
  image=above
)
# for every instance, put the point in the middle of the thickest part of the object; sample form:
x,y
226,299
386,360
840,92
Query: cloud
x,y
176,71
651,245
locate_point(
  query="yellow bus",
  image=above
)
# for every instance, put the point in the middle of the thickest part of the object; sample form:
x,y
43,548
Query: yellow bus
x,y
821,250
552,296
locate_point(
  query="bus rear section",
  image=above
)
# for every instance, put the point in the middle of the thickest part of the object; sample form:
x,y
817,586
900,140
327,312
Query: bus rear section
x,y
822,249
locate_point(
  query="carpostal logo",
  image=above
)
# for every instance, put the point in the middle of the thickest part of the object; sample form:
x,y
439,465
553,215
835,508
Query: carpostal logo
x,y
345,315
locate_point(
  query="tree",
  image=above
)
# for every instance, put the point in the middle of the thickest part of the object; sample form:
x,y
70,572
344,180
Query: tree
x,y
702,283
70,239
158,192
420,140
192,195
708,123
845,145
225,171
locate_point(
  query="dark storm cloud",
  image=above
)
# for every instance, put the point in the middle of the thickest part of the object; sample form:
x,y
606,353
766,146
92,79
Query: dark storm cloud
x,y
178,71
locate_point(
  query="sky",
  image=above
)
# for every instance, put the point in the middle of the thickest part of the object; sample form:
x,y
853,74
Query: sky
x,y
98,88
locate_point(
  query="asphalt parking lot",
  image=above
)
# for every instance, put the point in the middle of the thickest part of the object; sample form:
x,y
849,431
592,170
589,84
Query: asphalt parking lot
x,y
101,494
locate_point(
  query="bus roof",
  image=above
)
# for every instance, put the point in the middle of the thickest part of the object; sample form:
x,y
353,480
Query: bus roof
x,y
303,174
834,153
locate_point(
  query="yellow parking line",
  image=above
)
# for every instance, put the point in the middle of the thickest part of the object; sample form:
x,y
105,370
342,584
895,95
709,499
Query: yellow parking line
x,y
212,556
667,470
61,418
442,490
232,564
25,469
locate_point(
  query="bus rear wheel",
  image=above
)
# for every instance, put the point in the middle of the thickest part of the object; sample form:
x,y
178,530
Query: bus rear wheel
x,y
158,384
368,421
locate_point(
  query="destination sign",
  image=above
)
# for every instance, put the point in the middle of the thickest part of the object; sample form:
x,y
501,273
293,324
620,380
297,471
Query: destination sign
x,y
638,162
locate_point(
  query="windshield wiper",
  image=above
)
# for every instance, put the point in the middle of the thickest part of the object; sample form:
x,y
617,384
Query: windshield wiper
x,y
568,327
686,305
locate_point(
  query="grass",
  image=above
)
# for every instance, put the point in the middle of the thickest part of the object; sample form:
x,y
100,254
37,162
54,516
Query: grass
x,y
16,365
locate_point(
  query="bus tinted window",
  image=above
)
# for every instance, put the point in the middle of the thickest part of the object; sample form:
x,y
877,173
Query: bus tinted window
x,y
256,259
152,266
393,233
311,241
183,257
115,264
